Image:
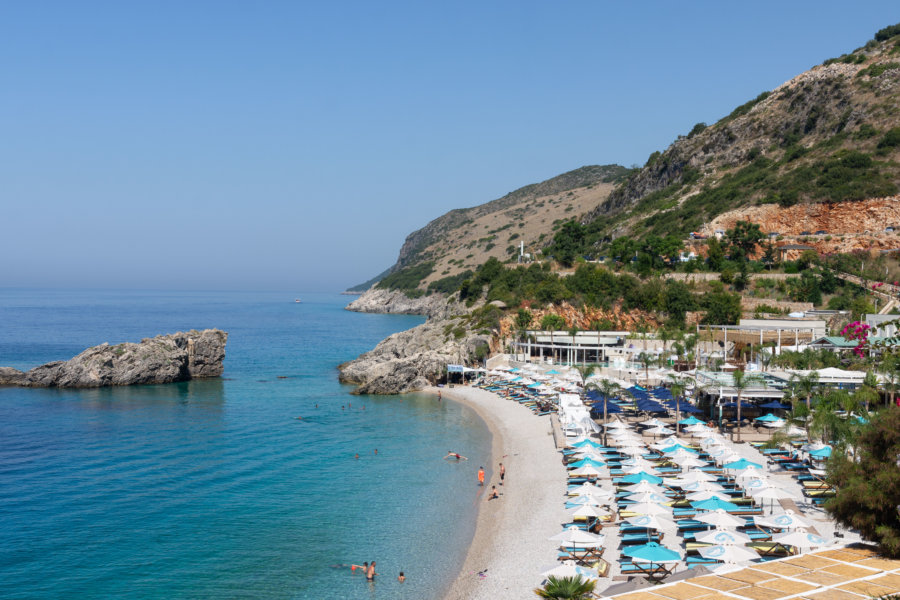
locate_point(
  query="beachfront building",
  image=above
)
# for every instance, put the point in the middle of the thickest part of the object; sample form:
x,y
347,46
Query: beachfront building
x,y
564,347
791,333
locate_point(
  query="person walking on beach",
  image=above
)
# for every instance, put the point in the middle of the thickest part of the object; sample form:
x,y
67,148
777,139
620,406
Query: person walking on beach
x,y
480,475
502,473
452,454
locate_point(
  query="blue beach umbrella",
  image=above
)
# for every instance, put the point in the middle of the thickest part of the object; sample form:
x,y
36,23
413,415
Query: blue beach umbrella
x,y
676,448
774,405
741,464
585,462
690,409
690,421
652,553
552,372
821,452
584,443
715,504
641,476
769,418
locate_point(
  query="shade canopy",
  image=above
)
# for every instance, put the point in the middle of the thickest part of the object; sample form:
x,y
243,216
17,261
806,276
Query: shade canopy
x,y
769,418
656,522
774,405
728,554
789,520
641,476
715,504
720,518
652,553
720,536
574,535
649,508
690,421
741,464
566,570
799,539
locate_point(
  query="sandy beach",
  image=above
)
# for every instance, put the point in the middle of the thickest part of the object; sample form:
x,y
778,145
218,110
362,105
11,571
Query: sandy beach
x,y
511,544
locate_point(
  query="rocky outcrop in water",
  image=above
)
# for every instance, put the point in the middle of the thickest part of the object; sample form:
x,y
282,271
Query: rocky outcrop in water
x,y
412,359
164,359
376,300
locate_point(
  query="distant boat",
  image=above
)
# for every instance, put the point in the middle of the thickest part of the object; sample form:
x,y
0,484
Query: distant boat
x,y
297,300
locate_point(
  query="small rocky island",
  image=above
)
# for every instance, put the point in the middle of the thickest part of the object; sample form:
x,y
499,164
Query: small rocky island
x,y
164,359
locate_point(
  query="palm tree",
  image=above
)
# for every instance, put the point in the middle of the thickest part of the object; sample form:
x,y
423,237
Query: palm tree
x,y
742,381
677,385
607,389
890,376
647,359
567,588
806,386
584,372
867,393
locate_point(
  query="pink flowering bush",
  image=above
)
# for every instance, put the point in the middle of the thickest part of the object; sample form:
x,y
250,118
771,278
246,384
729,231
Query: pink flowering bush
x,y
858,331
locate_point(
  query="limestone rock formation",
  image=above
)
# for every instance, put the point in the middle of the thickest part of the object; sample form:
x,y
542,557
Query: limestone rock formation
x,y
411,359
164,359
382,301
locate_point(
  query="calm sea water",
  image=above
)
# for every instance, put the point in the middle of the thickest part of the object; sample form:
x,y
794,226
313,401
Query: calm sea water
x,y
214,488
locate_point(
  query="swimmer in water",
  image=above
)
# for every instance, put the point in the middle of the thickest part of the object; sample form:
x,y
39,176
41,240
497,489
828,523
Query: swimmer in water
x,y
452,454
401,577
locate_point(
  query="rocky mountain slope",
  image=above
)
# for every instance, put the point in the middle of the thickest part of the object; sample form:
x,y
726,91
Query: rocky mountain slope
x,y
164,359
828,135
464,238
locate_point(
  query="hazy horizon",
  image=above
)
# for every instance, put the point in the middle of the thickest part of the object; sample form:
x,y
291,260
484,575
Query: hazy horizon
x,y
294,146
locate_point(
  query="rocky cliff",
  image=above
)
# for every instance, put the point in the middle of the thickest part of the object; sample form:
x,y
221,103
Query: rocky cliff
x,y
383,301
164,359
410,360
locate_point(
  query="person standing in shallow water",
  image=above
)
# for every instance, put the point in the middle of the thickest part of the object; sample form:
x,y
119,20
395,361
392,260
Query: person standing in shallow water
x,y
370,572
480,475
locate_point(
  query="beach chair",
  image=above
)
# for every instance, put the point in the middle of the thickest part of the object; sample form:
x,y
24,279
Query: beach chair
x,y
581,556
653,571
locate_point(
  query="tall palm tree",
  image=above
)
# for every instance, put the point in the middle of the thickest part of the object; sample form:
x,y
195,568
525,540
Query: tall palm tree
x,y
584,372
867,393
677,385
647,359
806,386
607,389
890,376
567,588
742,381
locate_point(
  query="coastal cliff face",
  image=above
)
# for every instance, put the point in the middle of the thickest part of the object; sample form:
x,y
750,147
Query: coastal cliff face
x,y
382,301
164,359
412,359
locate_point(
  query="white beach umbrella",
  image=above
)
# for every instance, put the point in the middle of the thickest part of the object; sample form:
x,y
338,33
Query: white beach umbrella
x,y
588,488
730,553
647,497
690,461
638,468
710,440
720,519
587,471
654,422
698,476
719,451
633,450
659,431
794,431
617,425
750,473
656,521
588,510
665,443
567,570
575,536
722,536
697,428
589,452
800,539
702,486
588,500
707,495
789,520
771,493
681,454
644,486
648,508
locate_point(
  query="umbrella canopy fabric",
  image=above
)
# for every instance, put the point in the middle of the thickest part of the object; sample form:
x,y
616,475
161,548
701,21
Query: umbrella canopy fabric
x,y
587,461
692,420
799,539
641,476
692,476
741,464
574,535
656,522
690,461
720,519
586,442
652,553
660,430
754,484
677,447
771,493
750,473
645,486
587,471
590,488
774,405
707,495
588,510
654,422
565,570
702,486
789,520
728,554
647,497
770,418
714,504
720,536
821,452
649,508
588,500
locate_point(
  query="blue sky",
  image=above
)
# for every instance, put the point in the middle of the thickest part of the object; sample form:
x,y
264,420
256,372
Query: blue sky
x,y
293,145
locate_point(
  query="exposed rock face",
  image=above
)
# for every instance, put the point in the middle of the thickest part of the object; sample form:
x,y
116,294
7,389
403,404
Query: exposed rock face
x,y
396,302
410,360
164,359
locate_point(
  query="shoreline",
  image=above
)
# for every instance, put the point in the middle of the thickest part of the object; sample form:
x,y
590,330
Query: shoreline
x,y
511,534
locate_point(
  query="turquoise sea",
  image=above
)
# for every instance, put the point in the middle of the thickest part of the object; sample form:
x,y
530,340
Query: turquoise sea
x,y
214,488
